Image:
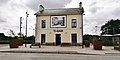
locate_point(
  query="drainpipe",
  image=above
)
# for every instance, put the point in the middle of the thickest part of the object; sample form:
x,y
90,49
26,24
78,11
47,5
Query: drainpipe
x,y
82,29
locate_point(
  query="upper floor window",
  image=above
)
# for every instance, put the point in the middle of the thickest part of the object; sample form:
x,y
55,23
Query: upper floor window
x,y
74,23
43,24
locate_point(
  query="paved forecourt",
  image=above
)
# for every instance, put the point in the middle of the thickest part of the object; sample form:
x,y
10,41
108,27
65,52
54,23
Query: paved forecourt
x,y
59,49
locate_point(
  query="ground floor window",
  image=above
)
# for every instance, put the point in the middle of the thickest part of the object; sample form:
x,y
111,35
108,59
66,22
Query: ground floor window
x,y
43,38
74,39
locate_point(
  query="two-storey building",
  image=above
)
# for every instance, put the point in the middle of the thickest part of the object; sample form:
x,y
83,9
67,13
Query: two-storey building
x,y
59,26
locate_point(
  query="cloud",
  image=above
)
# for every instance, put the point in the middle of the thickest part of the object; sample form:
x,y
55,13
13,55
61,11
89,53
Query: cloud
x,y
116,12
93,3
12,10
95,9
2,19
97,12
32,4
2,2
10,13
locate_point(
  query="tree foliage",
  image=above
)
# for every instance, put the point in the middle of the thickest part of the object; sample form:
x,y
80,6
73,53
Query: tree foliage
x,y
11,33
111,27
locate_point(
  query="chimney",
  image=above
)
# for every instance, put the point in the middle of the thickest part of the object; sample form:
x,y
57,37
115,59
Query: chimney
x,y
41,8
80,5
81,8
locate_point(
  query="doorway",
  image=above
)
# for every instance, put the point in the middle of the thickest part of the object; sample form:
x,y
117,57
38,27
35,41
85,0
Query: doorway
x,y
74,39
43,36
58,39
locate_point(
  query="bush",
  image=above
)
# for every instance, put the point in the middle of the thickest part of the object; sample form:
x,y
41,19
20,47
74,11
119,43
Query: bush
x,y
107,42
4,42
87,43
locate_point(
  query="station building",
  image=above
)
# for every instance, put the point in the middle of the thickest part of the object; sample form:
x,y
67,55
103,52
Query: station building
x,y
62,26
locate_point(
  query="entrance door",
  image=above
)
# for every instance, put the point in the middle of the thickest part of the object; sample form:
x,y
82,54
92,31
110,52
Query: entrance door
x,y
58,39
42,39
74,39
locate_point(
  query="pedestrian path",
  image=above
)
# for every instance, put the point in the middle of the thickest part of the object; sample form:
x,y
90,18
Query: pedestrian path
x,y
59,49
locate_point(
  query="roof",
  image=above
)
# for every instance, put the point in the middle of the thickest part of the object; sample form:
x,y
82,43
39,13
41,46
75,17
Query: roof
x,y
63,11
107,35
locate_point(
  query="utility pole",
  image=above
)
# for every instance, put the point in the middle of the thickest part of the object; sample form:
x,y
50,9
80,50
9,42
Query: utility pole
x,y
33,30
26,22
20,26
33,33
26,25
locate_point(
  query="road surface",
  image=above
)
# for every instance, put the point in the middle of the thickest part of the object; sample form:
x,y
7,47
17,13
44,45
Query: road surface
x,y
41,56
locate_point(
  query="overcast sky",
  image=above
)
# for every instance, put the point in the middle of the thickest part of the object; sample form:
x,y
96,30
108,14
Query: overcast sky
x,y
97,13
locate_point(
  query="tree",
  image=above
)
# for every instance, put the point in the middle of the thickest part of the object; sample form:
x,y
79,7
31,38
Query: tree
x,y
12,34
2,36
111,27
90,37
87,37
20,34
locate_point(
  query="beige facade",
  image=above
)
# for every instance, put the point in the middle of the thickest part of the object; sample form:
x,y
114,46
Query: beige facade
x,y
65,34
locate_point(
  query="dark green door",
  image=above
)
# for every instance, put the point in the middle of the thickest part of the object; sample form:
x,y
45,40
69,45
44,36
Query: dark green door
x,y
58,39
42,39
74,39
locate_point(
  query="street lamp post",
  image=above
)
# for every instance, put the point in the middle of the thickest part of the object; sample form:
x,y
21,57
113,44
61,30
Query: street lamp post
x,y
26,27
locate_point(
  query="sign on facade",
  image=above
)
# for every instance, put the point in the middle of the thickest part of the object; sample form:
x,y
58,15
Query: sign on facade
x,y
58,21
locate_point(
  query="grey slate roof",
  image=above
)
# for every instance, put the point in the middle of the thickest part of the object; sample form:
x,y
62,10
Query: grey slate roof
x,y
63,11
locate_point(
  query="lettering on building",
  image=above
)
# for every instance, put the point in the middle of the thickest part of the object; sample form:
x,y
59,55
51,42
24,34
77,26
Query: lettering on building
x,y
58,30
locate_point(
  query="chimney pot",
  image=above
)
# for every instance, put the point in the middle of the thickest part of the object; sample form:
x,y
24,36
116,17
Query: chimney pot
x,y
80,4
41,8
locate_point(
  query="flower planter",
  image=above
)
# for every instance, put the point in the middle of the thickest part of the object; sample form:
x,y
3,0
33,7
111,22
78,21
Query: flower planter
x,y
97,44
15,43
35,44
66,44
